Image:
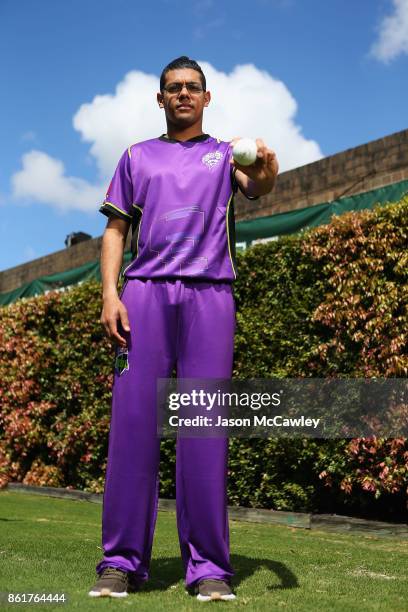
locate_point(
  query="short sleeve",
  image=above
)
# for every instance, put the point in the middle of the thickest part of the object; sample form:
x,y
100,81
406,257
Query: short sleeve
x,y
119,198
236,186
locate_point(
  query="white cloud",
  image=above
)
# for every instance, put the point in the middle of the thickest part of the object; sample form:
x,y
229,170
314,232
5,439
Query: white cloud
x,y
246,102
250,102
43,179
112,121
393,33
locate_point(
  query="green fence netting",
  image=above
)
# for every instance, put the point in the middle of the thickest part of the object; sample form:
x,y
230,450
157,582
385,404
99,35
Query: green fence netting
x,y
246,232
297,220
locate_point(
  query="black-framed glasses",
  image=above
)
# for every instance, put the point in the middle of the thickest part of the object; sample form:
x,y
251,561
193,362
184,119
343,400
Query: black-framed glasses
x,y
192,87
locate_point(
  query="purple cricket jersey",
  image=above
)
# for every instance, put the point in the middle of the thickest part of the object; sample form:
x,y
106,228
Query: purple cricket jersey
x,y
179,199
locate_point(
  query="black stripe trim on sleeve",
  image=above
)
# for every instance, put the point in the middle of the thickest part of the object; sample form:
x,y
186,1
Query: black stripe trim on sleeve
x,y
108,210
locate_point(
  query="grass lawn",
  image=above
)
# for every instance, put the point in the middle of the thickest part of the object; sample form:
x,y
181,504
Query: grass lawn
x,y
52,545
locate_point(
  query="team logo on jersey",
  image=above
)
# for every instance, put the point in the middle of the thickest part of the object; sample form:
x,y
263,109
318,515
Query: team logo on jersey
x,y
212,159
121,361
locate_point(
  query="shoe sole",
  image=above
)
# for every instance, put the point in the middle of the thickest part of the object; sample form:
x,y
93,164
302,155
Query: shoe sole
x,y
215,597
107,593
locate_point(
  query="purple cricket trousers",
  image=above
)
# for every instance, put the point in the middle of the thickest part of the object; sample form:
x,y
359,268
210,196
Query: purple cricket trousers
x,y
190,324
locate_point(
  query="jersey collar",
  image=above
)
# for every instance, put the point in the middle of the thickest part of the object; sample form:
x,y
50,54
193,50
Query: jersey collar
x,y
199,138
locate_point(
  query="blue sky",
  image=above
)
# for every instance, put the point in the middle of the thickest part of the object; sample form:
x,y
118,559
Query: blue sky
x,y
316,78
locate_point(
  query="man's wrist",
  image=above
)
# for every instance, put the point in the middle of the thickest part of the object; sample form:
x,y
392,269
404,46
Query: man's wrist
x,y
109,292
260,188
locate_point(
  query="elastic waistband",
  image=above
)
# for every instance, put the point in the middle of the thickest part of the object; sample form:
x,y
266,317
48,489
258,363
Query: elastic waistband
x,y
186,280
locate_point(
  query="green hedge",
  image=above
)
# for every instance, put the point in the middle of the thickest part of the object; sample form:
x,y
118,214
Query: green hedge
x,y
330,302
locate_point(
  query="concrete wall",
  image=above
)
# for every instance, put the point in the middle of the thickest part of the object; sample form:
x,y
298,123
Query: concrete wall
x,y
378,163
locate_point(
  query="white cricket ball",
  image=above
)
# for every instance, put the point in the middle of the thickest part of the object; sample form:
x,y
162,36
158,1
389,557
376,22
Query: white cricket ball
x,y
244,151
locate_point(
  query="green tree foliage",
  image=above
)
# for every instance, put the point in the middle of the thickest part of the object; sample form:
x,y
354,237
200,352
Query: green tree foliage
x,y
331,302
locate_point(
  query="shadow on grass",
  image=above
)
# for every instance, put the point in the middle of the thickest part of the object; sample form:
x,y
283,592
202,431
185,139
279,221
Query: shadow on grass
x,y
247,566
166,572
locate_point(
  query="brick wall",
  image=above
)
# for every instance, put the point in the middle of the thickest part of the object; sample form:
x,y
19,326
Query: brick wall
x,y
378,163
59,261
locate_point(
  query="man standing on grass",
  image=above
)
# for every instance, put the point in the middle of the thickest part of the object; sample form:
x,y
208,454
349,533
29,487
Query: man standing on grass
x,y
176,308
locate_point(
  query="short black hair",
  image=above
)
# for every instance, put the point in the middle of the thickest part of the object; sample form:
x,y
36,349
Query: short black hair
x,y
182,62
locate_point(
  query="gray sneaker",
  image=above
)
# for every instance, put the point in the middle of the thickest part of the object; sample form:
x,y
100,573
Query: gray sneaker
x,y
210,590
112,582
